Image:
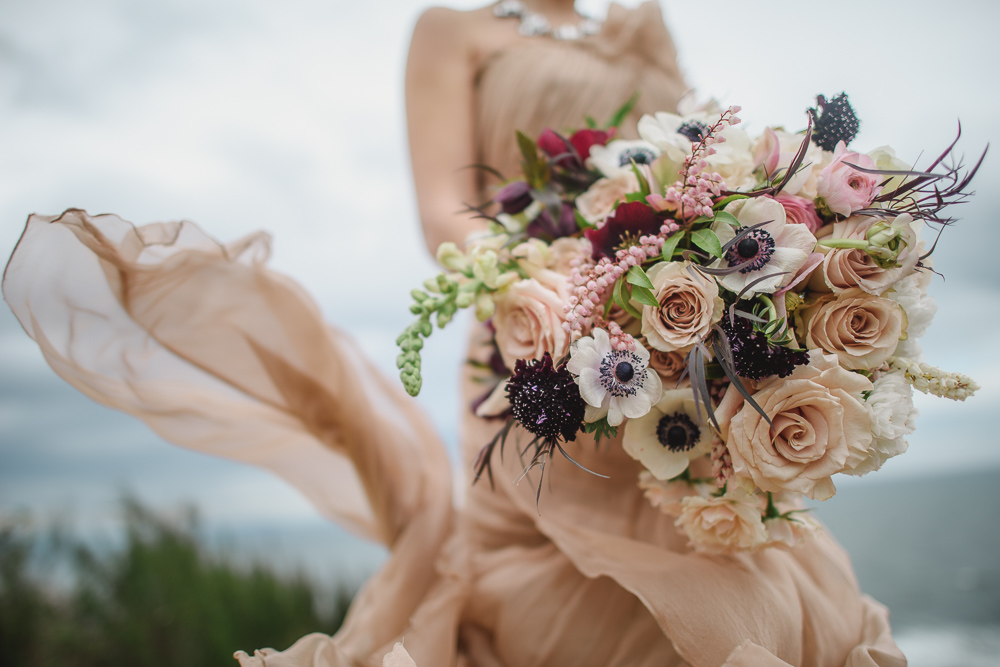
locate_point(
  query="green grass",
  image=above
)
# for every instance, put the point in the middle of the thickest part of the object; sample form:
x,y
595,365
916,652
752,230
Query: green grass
x,y
158,599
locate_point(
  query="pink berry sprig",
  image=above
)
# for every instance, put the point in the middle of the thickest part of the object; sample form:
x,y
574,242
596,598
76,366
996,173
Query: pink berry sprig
x,y
693,193
590,281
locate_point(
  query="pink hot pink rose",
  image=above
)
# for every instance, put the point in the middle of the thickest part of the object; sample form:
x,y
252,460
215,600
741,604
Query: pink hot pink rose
x,y
801,211
844,188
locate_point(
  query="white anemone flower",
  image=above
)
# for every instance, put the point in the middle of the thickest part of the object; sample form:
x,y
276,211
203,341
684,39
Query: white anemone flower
x,y
614,383
675,135
669,436
776,248
617,157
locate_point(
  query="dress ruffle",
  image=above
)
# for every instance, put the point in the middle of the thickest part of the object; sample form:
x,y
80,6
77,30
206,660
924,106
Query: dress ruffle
x,y
219,354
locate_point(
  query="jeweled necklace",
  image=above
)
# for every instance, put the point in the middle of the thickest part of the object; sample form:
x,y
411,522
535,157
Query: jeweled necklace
x,y
534,24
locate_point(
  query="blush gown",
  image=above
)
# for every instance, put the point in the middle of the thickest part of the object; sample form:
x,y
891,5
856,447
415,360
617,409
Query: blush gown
x,y
217,353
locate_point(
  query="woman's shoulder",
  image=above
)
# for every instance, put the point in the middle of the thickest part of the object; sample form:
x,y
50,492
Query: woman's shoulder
x,y
476,32
444,22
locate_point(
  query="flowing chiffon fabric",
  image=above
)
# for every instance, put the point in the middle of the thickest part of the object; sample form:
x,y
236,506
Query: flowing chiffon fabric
x,y
219,354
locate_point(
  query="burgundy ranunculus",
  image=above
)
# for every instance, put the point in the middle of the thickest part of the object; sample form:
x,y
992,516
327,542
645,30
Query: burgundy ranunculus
x,y
544,227
582,140
632,219
553,144
514,197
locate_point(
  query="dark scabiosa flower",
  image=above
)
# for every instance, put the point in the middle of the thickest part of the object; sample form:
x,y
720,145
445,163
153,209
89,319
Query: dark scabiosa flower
x,y
545,400
756,357
833,122
629,221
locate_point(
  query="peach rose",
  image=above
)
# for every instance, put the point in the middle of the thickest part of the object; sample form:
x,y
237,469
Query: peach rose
x,y
529,317
844,188
819,427
669,365
861,329
722,525
689,306
844,268
597,202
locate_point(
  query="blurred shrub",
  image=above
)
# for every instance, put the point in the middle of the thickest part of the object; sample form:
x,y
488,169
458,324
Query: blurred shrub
x,y
159,599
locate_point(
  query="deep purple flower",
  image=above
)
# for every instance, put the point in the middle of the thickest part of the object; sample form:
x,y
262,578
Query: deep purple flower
x,y
542,226
545,400
630,220
514,197
755,356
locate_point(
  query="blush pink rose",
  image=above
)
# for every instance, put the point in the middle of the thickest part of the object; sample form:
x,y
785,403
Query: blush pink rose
x,y
689,305
597,203
861,329
844,188
722,525
529,317
819,427
845,268
800,211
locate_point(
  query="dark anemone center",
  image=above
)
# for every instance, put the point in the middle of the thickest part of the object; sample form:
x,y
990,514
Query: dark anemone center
x,y
752,252
747,247
636,154
694,130
624,371
677,432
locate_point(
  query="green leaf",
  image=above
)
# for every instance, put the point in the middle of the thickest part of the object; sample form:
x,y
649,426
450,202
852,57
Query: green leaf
x,y
727,218
728,200
591,123
635,196
535,169
581,222
700,220
624,110
601,429
670,245
636,276
645,296
623,298
707,241
643,183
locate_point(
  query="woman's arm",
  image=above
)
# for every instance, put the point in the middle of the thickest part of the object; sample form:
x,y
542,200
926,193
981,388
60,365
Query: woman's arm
x,y
440,75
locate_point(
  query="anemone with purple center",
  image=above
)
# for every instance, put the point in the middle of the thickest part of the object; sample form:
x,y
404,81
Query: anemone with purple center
x,y
614,383
616,157
767,257
669,436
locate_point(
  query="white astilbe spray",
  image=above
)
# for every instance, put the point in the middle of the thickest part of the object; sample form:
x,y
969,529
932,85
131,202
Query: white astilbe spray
x,y
931,380
893,416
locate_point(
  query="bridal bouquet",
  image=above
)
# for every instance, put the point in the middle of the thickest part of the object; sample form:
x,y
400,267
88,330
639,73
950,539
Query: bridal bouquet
x,y
745,310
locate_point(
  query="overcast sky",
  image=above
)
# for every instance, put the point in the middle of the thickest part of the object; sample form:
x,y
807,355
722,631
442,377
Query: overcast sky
x,y
248,114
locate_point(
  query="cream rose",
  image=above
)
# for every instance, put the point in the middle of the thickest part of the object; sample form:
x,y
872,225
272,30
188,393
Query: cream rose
x,y
844,268
599,200
722,525
689,306
861,329
529,317
820,426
